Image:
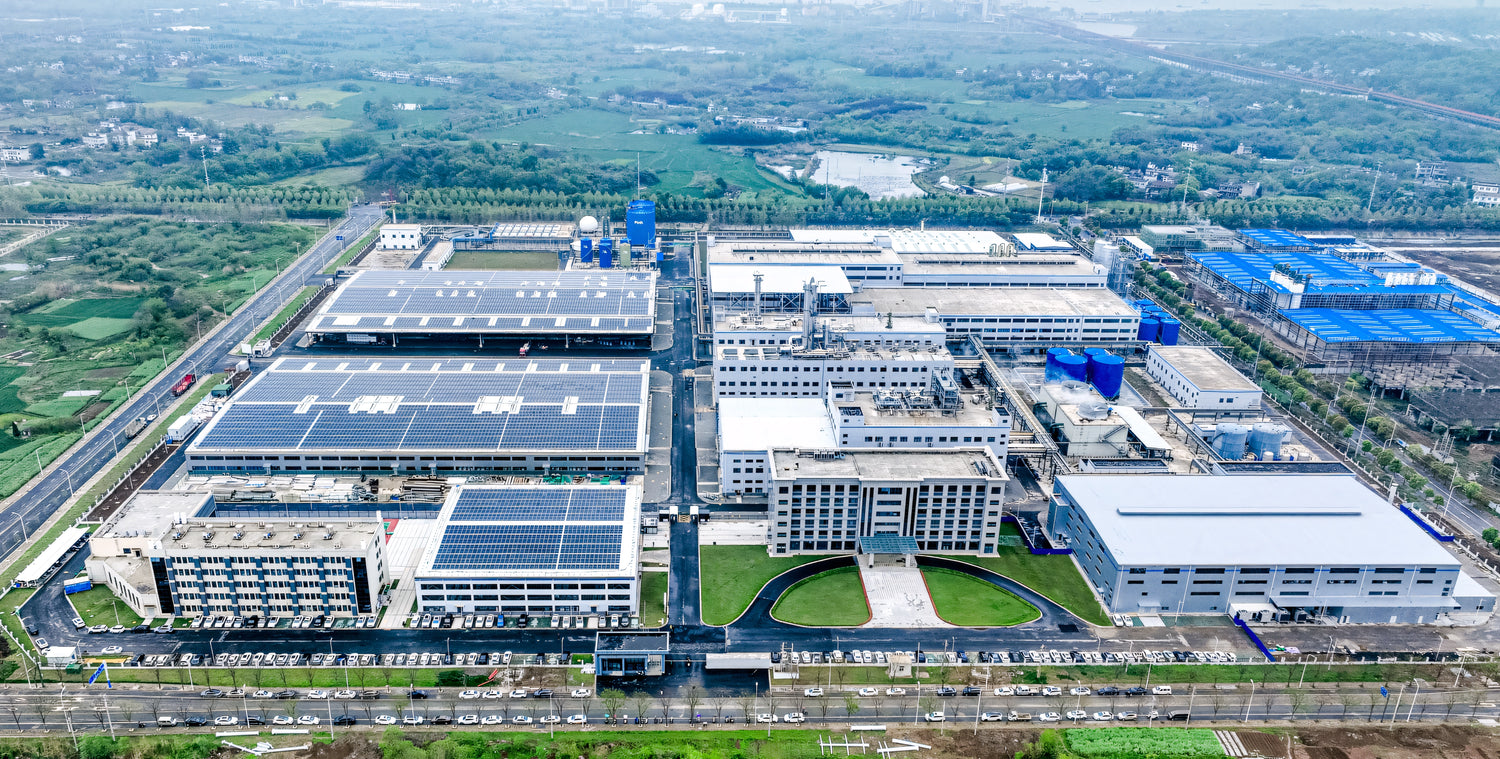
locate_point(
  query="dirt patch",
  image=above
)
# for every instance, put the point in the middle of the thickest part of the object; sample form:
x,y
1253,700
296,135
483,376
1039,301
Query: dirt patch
x,y
1266,744
966,743
1323,752
1434,742
346,747
1478,265
94,410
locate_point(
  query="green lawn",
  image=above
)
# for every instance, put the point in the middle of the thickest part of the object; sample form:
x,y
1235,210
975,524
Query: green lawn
x,y
653,589
1055,577
1109,742
835,598
970,602
486,259
274,323
99,606
730,576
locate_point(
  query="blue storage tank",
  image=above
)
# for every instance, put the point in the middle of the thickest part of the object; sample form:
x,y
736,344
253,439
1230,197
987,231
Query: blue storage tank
x,y
640,222
1229,441
661,255
1107,373
1095,352
1053,371
586,250
606,253
1148,330
1074,367
1170,328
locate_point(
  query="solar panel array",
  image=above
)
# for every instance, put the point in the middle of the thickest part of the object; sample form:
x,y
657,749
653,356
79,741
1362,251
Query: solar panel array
x,y
436,405
491,302
532,528
1393,325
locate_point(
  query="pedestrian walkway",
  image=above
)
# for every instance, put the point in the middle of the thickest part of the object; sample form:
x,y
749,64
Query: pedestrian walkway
x,y
404,551
898,598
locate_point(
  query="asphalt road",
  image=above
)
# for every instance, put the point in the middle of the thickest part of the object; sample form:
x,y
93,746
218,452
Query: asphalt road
x,y
47,495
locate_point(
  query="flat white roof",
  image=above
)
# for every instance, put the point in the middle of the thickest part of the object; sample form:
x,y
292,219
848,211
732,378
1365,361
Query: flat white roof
x,y
1254,520
909,240
1039,241
1202,367
759,424
740,278
987,301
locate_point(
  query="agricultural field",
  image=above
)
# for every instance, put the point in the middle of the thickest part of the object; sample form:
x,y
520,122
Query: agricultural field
x,y
1122,742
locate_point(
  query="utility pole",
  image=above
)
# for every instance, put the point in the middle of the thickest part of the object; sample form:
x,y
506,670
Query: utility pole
x,y
1371,203
203,154
1041,193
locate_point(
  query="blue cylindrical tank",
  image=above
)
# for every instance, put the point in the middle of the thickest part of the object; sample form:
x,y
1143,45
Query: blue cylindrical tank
x,y
661,255
640,222
1107,373
1053,371
1229,441
1170,329
1265,439
1148,330
606,253
1095,352
586,250
1074,367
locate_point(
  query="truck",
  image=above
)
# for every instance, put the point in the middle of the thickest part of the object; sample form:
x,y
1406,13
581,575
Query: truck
x,y
135,426
183,384
525,349
181,428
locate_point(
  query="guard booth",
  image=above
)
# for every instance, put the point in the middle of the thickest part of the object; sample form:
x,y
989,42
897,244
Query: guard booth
x,y
631,654
888,550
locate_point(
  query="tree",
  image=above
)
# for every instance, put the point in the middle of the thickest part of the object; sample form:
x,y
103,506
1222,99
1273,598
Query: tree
x,y
851,705
612,699
1490,534
1047,746
38,151
693,699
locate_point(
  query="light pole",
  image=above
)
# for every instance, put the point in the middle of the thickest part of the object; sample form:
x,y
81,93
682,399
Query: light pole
x,y
1249,701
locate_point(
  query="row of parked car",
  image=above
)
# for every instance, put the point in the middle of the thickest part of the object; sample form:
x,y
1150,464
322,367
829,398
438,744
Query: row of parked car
x,y
523,620
298,623
1008,657
1013,690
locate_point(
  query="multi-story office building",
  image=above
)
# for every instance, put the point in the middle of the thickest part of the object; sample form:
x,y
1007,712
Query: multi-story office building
x,y
1260,546
823,501
780,372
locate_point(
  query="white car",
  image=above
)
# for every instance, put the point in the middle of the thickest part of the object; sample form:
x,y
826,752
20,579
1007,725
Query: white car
x,y
491,719
1077,714
307,719
1004,691
812,692
385,719
469,694
345,694
521,719
935,717
550,719
1103,717
469,719
117,629
1126,717
493,694
1162,690
318,694
765,719
895,691
412,719
1051,690
1079,690
518,693
110,650
96,629
580,693
226,721
992,717
282,719
578,719
868,692
1048,717
793,718
261,694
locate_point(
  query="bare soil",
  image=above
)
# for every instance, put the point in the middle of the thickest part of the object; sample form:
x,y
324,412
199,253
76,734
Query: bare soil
x,y
1477,265
1428,742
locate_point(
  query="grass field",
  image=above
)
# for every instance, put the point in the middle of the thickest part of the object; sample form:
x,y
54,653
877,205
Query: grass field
x,y
64,406
1055,577
100,327
970,602
835,598
99,606
484,259
1112,742
654,587
730,576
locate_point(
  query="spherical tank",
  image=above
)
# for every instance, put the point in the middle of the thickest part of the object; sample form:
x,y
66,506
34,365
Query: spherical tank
x,y
588,225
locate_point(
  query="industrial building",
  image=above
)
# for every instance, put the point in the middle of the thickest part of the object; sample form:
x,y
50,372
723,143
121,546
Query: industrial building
x,y
825,502
777,289
1085,425
793,330
1197,378
1175,239
1366,338
1017,320
517,236
401,237
1263,547
935,416
162,561
534,549
402,307
788,372
432,416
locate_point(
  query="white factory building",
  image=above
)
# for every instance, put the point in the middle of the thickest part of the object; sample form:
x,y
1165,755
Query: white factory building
x,y
163,561
1263,547
945,501
534,549
1197,378
1018,320
781,372
777,289
400,236
848,420
851,331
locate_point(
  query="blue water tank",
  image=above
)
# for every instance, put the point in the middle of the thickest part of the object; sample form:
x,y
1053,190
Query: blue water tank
x,y
1148,330
1229,441
606,253
1095,352
661,255
1169,330
640,222
1074,367
1053,371
1107,373
586,250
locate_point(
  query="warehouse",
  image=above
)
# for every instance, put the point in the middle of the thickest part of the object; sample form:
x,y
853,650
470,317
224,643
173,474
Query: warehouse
x,y
534,549
780,289
400,307
865,264
1199,379
1382,337
1284,279
949,501
1016,319
1287,547
432,416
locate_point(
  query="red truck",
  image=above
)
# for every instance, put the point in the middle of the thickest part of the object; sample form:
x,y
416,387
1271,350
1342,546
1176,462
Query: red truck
x,y
183,384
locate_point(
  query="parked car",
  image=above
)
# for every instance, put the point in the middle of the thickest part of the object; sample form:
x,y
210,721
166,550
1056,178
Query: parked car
x,y
935,717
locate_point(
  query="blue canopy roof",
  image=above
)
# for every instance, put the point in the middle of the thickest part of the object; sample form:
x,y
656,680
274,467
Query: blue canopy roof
x,y
1389,325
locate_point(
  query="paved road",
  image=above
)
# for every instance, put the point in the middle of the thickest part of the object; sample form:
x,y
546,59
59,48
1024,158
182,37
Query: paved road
x,y
47,495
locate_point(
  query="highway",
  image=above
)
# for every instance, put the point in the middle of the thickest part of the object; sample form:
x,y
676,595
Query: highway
x,y
45,496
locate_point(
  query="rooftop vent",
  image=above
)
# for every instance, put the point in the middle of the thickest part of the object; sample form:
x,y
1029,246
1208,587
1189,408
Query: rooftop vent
x,y
208,536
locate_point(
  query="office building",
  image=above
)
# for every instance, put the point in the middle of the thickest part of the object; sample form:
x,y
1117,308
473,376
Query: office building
x,y
1266,547
1197,378
534,549
823,502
